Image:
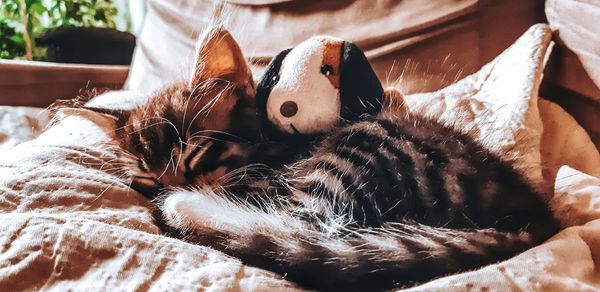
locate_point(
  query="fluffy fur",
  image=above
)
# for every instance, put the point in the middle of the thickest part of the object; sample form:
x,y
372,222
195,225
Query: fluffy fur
x,y
378,204
375,204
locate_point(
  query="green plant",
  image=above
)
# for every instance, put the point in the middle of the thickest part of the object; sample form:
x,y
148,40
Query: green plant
x,y
83,13
22,20
11,42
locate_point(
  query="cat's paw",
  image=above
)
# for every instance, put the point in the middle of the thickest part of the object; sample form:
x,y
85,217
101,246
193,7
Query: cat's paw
x,y
201,211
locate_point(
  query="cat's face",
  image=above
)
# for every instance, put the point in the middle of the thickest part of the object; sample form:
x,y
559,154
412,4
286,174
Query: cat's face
x,y
195,133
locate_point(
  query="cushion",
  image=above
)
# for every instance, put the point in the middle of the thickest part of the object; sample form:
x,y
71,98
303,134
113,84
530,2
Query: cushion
x,y
501,109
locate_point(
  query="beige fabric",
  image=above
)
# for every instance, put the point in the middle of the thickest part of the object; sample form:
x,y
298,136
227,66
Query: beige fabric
x,y
496,105
68,222
575,67
546,137
168,38
577,26
502,110
564,142
20,124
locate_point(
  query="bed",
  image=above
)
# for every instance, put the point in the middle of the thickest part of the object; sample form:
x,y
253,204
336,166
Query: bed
x,y
70,222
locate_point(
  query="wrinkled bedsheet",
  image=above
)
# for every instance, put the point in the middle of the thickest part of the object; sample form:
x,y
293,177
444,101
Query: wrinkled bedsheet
x,y
68,221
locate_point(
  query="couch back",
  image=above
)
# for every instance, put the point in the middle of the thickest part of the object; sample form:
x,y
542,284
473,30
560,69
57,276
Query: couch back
x,y
428,44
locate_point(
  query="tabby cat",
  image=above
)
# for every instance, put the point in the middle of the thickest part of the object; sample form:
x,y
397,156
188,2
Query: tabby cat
x,y
380,203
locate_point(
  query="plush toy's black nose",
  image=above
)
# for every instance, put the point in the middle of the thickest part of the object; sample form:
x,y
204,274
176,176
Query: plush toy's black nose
x,y
288,109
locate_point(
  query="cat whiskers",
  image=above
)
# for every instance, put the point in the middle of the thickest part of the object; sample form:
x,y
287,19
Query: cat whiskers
x,y
216,132
206,108
186,106
239,175
137,123
167,166
197,100
120,166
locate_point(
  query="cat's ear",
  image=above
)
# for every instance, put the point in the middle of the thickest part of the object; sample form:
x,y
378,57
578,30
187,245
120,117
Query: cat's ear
x,y
218,56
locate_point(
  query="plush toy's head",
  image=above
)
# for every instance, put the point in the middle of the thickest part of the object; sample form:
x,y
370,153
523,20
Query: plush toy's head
x,y
311,88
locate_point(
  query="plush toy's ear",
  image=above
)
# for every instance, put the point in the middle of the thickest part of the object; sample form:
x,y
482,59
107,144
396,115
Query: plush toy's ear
x,y
360,89
394,100
218,56
268,81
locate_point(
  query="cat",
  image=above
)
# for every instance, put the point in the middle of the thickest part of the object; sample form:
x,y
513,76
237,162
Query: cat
x,y
380,203
194,132
385,202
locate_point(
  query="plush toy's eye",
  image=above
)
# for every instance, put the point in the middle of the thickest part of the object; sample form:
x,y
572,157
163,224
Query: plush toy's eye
x,y
326,69
274,80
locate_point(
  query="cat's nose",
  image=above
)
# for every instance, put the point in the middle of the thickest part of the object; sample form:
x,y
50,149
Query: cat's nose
x,y
288,109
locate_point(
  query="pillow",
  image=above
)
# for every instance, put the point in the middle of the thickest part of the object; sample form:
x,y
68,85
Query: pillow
x,y
167,40
499,106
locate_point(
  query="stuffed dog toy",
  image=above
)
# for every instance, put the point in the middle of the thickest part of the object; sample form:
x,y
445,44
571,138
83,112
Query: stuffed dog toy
x,y
315,86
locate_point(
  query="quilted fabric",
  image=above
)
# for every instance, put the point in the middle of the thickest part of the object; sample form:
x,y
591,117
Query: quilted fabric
x,y
68,221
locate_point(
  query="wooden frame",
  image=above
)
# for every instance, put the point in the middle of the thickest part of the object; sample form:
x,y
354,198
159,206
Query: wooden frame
x,y
27,83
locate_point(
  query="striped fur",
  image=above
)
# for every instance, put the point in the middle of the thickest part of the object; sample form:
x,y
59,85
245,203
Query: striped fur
x,y
182,135
335,256
381,203
411,168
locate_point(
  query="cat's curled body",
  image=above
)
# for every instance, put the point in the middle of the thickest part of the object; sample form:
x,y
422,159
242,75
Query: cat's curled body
x,y
377,204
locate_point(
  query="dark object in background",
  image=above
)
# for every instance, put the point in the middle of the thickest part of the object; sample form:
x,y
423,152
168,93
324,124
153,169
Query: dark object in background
x,y
88,45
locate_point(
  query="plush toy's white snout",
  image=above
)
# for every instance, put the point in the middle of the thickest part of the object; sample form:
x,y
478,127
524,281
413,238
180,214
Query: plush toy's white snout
x,y
304,100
